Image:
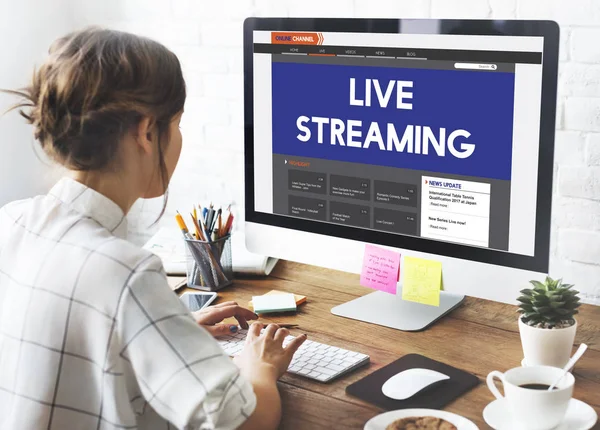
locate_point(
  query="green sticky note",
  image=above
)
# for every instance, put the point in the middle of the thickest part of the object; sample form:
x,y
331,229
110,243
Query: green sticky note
x,y
422,281
274,303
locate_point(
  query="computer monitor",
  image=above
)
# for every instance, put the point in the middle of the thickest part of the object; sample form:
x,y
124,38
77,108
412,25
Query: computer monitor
x,y
434,138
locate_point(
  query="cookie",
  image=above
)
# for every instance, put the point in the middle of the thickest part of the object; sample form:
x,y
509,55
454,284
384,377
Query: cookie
x,y
421,423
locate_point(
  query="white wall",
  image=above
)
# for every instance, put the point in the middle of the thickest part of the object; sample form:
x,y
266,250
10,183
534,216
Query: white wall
x,y
207,36
26,29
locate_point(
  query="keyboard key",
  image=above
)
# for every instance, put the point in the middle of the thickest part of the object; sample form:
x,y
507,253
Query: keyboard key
x,y
325,371
314,374
335,367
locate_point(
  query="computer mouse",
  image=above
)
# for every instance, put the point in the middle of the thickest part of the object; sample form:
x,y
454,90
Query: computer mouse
x,y
409,382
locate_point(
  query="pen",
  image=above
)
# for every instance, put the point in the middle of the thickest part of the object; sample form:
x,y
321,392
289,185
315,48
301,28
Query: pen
x,y
204,230
282,325
209,217
287,325
218,221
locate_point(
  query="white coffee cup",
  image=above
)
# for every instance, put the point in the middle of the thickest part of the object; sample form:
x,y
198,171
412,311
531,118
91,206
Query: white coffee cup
x,y
533,409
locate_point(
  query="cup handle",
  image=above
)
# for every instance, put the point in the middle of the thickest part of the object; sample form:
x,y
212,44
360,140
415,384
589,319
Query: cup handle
x,y
492,386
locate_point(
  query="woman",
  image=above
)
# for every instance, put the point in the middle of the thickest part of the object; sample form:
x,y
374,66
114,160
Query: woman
x,y
91,336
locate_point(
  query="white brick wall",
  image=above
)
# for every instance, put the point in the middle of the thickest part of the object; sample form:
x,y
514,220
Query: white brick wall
x,y
207,35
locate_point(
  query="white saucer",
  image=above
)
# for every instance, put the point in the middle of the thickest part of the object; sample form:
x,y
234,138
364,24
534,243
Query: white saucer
x,y
381,421
580,416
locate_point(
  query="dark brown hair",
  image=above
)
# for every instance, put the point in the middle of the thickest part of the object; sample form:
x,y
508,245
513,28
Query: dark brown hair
x,y
95,85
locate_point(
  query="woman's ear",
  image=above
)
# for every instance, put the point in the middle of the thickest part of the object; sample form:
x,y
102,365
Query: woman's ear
x,y
145,134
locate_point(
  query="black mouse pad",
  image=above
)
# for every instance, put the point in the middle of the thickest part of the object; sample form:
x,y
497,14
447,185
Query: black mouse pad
x,y
434,397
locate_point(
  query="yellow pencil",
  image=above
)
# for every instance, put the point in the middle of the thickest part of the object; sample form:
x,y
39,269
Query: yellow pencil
x,y
199,234
181,224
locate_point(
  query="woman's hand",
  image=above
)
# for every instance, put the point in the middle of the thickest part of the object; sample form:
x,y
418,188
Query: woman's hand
x,y
264,355
210,318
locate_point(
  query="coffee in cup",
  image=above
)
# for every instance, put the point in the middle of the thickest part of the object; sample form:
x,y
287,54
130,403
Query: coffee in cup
x,y
527,398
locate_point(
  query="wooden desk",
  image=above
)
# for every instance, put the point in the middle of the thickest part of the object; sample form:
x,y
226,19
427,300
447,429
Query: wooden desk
x,y
479,337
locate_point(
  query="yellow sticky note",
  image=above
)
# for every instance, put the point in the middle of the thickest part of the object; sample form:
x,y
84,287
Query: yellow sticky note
x,y
422,280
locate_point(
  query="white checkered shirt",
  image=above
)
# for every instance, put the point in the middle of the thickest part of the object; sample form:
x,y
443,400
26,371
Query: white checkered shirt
x,y
91,336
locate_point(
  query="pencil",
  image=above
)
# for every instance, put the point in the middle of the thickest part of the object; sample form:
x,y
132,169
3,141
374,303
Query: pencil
x,y
219,223
197,227
285,325
224,230
182,226
229,225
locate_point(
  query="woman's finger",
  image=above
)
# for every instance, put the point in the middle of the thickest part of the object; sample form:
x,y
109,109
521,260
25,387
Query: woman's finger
x,y
220,305
271,330
254,331
216,315
295,343
242,321
281,335
221,329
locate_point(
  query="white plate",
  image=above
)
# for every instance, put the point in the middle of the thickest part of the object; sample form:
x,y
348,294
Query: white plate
x,y
381,421
579,416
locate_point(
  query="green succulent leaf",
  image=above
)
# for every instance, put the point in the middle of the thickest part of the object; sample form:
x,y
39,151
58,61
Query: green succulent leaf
x,y
548,303
538,285
526,308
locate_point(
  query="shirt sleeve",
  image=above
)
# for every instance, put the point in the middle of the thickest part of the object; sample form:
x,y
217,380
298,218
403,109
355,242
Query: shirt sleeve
x,y
181,370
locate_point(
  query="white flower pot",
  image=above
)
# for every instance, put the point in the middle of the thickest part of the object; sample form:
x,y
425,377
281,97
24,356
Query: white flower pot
x,y
547,347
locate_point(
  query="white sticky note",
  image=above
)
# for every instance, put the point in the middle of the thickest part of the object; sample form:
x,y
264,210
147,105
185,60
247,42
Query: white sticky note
x,y
274,303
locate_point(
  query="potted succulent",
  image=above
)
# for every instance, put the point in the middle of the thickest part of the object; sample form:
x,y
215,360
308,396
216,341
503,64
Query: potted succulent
x,y
547,323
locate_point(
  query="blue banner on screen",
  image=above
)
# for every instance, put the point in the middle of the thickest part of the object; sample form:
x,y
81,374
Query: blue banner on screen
x,y
446,121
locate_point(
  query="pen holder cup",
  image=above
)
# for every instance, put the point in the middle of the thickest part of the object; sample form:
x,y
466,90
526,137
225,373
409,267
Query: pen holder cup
x,y
208,264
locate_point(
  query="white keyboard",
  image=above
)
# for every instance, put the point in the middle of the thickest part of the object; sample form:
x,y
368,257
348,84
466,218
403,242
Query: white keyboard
x,y
313,360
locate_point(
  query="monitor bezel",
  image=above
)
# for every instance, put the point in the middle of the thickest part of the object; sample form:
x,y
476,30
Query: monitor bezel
x,y
549,30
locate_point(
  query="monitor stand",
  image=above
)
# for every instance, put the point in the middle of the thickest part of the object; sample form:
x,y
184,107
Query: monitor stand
x,y
391,311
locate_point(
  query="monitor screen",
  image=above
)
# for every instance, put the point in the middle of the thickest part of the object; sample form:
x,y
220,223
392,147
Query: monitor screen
x,y
434,136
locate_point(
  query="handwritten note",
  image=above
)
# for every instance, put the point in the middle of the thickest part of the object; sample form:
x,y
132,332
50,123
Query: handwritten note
x,y
422,281
380,269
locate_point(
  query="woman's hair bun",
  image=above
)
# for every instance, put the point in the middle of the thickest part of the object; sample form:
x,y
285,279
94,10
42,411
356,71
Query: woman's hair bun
x,y
93,87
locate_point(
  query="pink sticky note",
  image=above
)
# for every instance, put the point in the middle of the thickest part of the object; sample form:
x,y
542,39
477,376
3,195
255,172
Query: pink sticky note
x,y
381,269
